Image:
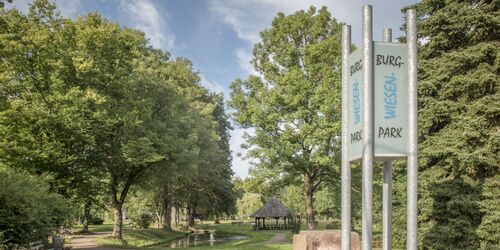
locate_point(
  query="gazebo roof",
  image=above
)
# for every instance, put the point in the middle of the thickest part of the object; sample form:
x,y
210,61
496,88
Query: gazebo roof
x,y
272,209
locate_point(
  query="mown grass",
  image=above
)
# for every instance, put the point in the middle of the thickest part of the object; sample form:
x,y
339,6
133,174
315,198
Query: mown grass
x,y
140,238
133,238
107,227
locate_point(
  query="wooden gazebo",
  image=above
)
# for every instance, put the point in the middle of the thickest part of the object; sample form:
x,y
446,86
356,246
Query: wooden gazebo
x,y
272,209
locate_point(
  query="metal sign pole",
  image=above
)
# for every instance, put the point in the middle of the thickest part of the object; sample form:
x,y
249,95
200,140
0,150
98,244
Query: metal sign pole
x,y
412,141
367,110
346,165
387,185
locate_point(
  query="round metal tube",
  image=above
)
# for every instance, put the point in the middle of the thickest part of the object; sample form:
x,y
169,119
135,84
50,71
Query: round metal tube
x,y
346,165
412,140
367,95
387,35
387,185
387,207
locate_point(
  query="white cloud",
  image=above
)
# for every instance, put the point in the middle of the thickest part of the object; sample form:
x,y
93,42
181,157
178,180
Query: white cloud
x,y
244,57
69,8
240,165
214,86
249,17
148,19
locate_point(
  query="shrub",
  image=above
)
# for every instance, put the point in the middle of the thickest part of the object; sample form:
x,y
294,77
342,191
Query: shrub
x,y
28,211
333,225
96,221
144,220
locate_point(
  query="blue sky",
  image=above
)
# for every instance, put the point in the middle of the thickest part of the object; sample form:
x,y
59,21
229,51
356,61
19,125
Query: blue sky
x,y
218,35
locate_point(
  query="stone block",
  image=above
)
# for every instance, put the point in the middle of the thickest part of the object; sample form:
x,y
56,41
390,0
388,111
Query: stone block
x,y
322,240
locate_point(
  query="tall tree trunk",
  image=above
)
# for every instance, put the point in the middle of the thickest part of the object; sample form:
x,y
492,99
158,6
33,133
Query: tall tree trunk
x,y
118,216
86,216
309,195
191,214
176,216
167,213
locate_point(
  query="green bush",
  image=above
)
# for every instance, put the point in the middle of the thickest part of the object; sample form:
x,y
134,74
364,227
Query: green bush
x,y
144,220
96,221
28,211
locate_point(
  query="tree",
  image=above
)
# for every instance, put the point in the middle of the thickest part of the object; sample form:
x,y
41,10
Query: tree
x,y
293,198
294,105
248,204
212,190
45,116
459,134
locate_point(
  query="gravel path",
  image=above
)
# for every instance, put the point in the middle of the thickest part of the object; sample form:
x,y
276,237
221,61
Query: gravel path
x,y
277,239
87,241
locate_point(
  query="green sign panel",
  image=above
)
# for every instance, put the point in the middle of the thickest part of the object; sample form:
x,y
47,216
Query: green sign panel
x,y
390,102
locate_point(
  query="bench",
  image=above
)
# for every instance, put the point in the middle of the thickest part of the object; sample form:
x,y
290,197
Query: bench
x,y
236,223
37,245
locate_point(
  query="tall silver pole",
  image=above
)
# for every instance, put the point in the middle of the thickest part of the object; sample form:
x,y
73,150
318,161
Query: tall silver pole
x,y
412,142
346,165
367,95
387,186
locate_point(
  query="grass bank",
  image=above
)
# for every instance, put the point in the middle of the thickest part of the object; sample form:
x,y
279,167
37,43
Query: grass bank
x,y
140,238
134,238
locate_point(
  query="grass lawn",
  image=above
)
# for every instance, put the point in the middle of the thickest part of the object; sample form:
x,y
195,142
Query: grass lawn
x,y
107,227
134,238
140,238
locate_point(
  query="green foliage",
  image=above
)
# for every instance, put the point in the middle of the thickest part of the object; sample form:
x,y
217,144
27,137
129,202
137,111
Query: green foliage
x,y
293,198
458,127
28,211
327,203
489,231
96,221
294,105
144,220
248,204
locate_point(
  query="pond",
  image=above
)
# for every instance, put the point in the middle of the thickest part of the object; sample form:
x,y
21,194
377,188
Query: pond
x,y
204,239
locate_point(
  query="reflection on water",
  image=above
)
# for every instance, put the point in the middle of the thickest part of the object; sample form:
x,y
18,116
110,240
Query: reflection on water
x,y
203,239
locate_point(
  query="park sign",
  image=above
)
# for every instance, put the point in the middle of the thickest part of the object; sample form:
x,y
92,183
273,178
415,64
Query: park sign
x,y
390,102
379,123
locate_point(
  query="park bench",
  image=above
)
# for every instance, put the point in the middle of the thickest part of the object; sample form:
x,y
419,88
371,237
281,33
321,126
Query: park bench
x,y
36,245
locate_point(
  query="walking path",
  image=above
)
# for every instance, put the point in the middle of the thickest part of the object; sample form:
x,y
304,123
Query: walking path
x,y
277,239
87,241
